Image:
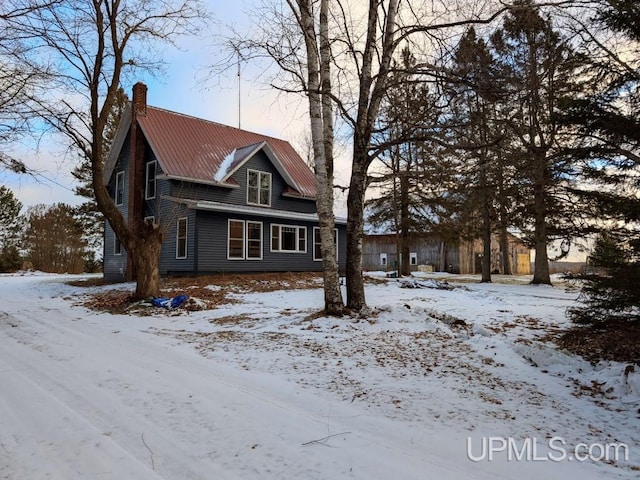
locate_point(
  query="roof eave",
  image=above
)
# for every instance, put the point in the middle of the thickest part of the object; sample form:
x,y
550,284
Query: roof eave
x,y
299,196
165,176
244,210
116,146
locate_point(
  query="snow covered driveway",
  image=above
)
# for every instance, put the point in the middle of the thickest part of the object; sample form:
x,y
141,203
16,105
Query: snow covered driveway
x,y
257,390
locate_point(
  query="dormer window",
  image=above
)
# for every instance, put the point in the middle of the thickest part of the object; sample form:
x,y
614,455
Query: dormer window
x,y
150,184
258,188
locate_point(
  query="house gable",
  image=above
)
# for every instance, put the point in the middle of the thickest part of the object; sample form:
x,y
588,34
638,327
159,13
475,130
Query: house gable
x,y
279,200
242,155
119,145
196,150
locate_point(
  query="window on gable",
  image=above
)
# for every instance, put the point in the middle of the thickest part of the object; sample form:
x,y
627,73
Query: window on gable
x,y
150,185
288,238
317,244
181,238
259,188
119,192
244,240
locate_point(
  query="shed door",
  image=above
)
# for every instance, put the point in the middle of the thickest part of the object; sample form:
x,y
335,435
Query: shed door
x,y
524,264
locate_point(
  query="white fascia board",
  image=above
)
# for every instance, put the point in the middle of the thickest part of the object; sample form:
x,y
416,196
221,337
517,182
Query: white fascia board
x,y
263,212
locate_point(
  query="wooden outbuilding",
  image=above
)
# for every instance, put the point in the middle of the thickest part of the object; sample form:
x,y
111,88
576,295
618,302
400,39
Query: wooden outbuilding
x,y
429,252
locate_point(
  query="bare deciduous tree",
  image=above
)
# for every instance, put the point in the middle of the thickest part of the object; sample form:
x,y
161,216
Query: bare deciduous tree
x,y
88,47
360,55
321,115
16,83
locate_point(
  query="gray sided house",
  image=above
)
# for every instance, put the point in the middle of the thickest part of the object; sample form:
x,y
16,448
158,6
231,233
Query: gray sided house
x,y
227,200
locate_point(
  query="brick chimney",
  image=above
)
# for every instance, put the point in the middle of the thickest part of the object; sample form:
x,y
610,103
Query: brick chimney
x,y
136,166
139,99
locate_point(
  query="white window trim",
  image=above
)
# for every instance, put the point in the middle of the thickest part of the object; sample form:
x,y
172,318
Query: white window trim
x,y
413,258
146,180
186,238
260,173
116,242
384,260
151,218
335,232
246,240
119,181
298,229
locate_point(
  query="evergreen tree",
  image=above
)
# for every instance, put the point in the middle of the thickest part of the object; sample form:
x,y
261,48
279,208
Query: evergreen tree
x,y
609,126
541,72
406,201
10,226
53,239
610,289
474,87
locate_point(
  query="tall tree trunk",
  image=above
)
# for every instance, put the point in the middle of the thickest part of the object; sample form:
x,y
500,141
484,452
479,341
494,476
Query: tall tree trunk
x,y
146,258
371,92
485,198
141,240
405,265
334,304
541,265
504,249
504,223
355,206
320,112
486,243
396,204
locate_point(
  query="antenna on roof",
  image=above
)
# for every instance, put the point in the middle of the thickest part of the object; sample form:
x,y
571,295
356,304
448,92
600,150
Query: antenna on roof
x,y
239,84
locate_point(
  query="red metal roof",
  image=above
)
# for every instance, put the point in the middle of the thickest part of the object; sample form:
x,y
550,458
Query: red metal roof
x,y
193,148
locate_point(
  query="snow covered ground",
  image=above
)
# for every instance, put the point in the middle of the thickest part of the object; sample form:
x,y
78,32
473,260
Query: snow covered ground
x,y
456,383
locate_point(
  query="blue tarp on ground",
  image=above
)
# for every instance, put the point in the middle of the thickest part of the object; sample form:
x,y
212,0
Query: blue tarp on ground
x,y
173,302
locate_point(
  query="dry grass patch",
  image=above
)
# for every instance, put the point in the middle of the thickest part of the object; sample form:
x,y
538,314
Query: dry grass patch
x,y
209,290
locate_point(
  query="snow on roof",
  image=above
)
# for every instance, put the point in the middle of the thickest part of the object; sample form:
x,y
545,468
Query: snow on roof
x,y
225,166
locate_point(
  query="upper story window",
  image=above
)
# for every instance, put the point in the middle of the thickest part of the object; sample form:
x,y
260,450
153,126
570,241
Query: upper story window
x,y
150,184
119,193
259,188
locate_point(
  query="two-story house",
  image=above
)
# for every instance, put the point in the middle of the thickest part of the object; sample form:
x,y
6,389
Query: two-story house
x,y
228,200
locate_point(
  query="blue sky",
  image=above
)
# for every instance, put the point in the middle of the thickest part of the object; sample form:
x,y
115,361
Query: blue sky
x,y
180,88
